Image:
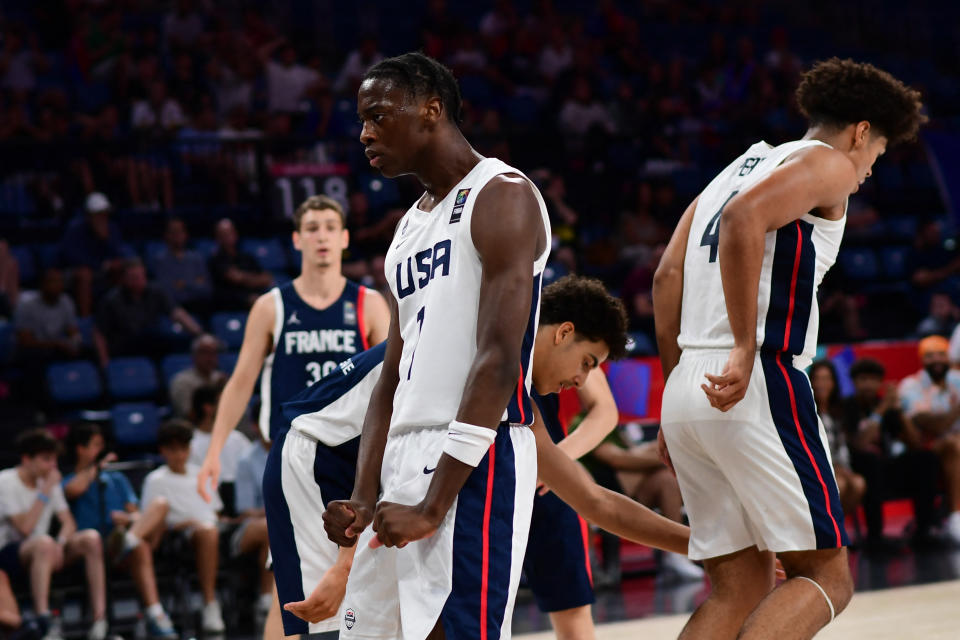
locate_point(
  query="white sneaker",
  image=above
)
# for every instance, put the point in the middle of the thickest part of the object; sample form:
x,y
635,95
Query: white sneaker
x,y
212,619
952,527
98,630
681,566
54,628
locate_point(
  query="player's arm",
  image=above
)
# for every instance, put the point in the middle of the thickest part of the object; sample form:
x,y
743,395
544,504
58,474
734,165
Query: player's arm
x,y
668,292
257,343
600,419
324,601
343,520
376,317
508,235
612,511
816,178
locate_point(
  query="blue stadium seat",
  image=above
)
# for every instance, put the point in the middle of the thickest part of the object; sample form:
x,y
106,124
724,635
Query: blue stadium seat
x,y
227,361
630,384
131,378
380,192
85,327
859,263
74,382
894,261
268,252
228,327
29,273
135,424
173,364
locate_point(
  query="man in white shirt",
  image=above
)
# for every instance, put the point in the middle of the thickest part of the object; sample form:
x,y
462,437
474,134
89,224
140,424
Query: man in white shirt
x,y
205,401
197,519
286,78
30,496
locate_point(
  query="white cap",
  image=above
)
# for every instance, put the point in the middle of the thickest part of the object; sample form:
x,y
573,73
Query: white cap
x,y
97,202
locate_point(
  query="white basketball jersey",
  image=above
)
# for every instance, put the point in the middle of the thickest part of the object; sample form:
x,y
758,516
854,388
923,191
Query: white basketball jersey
x,y
434,274
795,259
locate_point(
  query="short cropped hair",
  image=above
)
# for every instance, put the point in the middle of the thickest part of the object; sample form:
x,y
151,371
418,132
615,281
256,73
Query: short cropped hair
x,y
81,434
839,92
867,367
596,315
318,203
422,77
204,395
33,442
173,433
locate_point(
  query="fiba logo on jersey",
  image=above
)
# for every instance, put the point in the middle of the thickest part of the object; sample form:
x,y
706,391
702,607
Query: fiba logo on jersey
x,y
349,618
458,205
349,313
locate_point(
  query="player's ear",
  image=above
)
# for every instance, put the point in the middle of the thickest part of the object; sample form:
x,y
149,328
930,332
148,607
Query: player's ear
x,y
295,236
346,238
565,331
433,110
861,134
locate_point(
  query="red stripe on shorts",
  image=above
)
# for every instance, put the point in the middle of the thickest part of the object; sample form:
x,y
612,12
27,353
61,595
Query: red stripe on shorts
x,y
485,567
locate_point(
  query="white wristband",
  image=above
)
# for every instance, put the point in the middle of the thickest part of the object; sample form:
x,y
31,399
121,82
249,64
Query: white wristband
x,y
468,443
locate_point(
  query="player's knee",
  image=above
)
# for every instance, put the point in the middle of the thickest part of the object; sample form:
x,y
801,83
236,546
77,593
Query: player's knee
x,y
88,541
159,504
44,546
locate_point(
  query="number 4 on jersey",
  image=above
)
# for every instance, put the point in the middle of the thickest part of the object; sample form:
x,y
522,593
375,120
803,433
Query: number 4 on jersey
x,y
711,235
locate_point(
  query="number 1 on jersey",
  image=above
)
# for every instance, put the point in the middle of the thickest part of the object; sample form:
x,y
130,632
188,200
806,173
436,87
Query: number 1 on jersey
x,y
711,235
420,315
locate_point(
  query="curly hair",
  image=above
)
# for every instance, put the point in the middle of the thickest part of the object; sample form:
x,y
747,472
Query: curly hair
x,y
596,315
839,92
421,76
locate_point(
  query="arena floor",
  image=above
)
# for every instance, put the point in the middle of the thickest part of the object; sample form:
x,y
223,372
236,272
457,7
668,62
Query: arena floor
x,y
908,596
925,611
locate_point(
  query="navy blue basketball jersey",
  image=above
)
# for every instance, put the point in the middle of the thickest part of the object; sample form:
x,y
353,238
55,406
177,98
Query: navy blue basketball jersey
x,y
332,410
549,406
308,343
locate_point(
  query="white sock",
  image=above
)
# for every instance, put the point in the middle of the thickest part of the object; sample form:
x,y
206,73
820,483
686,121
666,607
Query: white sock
x,y
131,540
265,601
155,610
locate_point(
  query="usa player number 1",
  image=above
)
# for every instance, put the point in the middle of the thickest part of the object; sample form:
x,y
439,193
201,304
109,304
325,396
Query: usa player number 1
x,y
419,331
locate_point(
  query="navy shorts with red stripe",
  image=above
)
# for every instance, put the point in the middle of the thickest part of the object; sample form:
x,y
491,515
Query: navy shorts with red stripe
x,y
557,564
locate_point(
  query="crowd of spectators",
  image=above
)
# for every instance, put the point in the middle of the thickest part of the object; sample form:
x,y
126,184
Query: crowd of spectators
x,y
101,520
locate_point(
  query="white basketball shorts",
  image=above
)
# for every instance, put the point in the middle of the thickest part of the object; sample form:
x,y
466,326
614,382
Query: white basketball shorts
x,y
467,573
759,474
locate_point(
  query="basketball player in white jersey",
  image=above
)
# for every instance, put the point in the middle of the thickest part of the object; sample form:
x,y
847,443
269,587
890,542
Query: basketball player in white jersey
x,y
445,452
320,235
736,311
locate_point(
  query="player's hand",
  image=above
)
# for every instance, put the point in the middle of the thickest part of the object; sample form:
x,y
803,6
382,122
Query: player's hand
x,y
663,453
344,520
48,482
326,598
729,388
781,572
209,476
399,524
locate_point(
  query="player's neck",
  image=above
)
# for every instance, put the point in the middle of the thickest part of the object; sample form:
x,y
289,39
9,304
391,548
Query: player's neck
x,y
320,282
826,135
445,163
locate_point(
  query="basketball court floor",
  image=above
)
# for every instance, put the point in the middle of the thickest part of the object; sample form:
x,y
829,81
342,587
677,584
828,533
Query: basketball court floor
x,y
904,597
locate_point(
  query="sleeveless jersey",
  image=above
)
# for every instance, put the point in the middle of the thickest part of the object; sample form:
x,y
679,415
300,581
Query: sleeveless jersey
x,y
795,259
549,406
332,409
434,271
308,343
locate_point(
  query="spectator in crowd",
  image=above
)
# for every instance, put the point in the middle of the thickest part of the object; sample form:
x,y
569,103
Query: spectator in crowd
x,y
183,26
131,534
9,280
188,513
237,277
581,112
30,497
205,400
826,393
931,262
182,272
942,319
132,317
287,79
92,249
637,471
885,449
10,618
157,115
356,64
46,322
204,372
248,500
931,399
